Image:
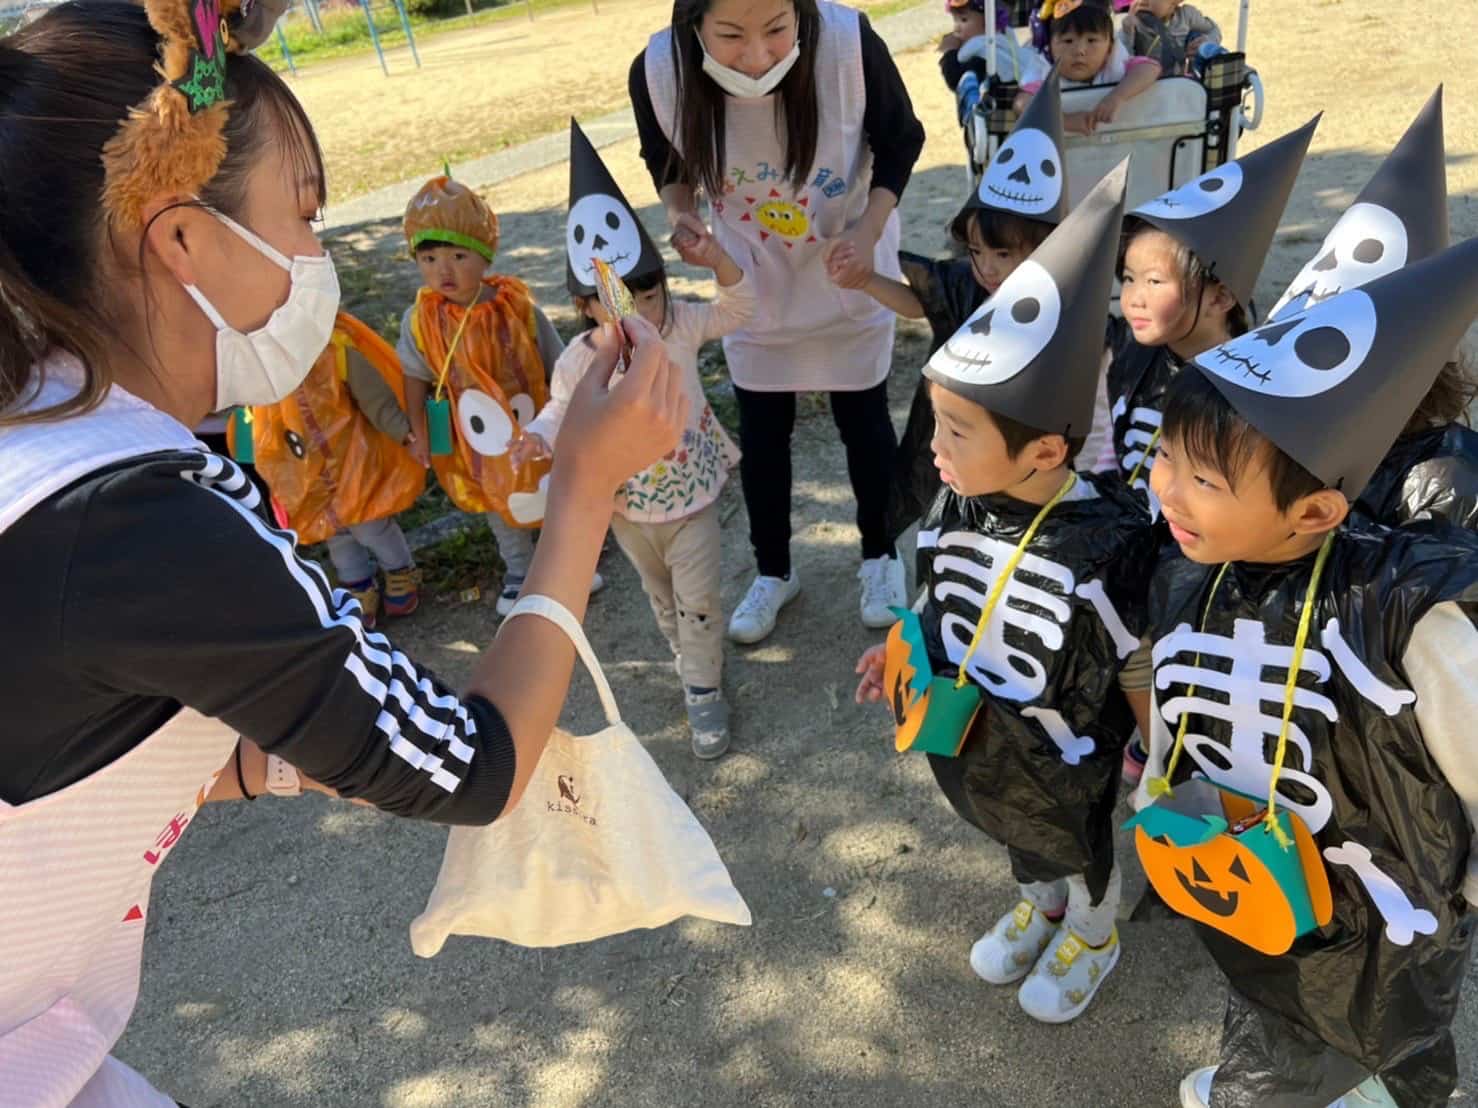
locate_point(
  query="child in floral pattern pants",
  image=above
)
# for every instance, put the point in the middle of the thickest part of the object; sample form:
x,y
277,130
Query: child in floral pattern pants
x,y
666,517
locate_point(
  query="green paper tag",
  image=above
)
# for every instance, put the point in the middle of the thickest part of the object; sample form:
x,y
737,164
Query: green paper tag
x,y
241,445
439,424
950,713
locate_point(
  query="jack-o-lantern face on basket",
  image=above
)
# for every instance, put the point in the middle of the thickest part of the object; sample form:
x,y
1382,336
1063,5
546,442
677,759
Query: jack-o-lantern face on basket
x,y
930,714
1212,859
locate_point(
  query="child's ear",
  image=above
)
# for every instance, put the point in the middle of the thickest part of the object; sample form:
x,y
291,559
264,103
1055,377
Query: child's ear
x,y
1318,512
1048,452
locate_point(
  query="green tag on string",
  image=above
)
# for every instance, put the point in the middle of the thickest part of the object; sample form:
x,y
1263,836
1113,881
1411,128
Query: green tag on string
x,y
439,424
241,444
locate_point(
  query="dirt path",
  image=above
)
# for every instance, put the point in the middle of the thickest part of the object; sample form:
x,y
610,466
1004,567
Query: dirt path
x,y
278,967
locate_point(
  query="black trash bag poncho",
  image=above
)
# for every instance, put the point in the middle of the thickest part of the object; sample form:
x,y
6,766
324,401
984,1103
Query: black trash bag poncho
x,y
1431,475
1039,771
1346,1000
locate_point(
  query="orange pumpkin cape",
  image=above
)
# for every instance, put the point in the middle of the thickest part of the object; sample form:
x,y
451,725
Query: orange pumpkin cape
x,y
486,360
326,464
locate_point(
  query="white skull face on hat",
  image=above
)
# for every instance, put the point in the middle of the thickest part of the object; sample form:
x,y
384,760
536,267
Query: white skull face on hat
x,y
1304,353
1025,175
600,226
1369,241
1207,193
1006,332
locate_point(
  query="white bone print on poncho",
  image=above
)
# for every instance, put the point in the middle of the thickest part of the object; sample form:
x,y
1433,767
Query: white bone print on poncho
x,y
1404,920
1143,423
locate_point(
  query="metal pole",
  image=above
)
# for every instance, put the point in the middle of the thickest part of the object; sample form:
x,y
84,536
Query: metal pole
x,y
286,53
1242,27
374,35
529,7
469,6
405,23
314,17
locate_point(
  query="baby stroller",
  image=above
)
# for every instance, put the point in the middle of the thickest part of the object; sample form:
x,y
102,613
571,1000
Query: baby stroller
x,y
1175,131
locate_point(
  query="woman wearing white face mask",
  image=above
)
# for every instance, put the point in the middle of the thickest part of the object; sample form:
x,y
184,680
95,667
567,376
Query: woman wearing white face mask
x,y
153,269
791,118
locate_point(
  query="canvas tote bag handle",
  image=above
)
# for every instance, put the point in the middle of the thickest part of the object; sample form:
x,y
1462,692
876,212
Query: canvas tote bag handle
x,y
557,614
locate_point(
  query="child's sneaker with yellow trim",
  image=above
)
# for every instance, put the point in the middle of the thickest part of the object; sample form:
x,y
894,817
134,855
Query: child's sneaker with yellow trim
x,y
1066,977
367,592
402,591
1007,952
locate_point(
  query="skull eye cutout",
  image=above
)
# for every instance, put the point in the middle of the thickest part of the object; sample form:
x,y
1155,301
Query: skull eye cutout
x,y
1007,332
1207,193
599,226
1300,355
523,408
1369,241
483,423
1025,175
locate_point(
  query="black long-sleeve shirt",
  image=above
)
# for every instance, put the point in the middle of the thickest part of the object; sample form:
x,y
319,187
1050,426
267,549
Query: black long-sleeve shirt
x,y
158,583
893,132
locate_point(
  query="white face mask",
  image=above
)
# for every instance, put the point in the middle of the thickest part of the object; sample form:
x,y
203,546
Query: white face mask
x,y
741,84
268,364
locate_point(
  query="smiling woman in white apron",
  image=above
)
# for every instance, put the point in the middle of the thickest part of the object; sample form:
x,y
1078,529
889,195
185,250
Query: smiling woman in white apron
x,y
158,261
791,118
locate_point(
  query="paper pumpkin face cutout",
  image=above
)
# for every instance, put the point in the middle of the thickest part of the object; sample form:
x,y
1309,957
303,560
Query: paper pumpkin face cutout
x,y
1210,857
1369,241
930,715
1009,330
1302,354
1025,176
601,226
484,423
1208,193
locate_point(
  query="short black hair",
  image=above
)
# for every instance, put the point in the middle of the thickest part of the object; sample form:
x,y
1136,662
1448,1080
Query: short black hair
x,y
1090,16
1195,274
1020,435
644,283
1204,422
999,230
1447,401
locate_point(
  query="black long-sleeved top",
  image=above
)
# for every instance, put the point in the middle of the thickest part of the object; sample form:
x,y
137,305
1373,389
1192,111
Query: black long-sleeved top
x,y
893,131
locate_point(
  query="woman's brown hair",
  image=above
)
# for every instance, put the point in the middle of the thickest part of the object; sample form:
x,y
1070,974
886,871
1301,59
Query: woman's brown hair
x,y
700,102
68,80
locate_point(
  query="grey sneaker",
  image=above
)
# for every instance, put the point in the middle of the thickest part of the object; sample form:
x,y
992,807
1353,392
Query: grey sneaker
x,y
708,717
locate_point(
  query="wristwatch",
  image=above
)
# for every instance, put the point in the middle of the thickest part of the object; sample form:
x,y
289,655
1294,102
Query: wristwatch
x,y
282,778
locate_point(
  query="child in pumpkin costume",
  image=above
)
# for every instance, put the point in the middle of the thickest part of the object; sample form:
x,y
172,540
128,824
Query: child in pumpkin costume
x,y
334,456
1365,637
478,344
1033,578
667,518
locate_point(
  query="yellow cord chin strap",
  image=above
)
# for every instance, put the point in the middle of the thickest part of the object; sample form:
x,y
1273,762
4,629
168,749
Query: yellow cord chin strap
x,y
1160,786
1005,575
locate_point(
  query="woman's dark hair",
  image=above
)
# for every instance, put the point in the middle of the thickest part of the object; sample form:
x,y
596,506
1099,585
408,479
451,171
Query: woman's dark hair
x,y
1206,425
1447,401
67,83
1091,16
999,230
700,103
645,283
1195,275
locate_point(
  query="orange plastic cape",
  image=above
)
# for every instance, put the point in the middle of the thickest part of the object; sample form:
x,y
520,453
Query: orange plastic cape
x,y
326,464
495,380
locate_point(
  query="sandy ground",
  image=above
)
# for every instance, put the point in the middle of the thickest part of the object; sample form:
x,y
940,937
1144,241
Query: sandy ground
x,y
278,970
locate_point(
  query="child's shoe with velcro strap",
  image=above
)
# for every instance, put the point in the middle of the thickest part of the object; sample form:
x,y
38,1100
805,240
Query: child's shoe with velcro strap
x,y
1007,952
368,595
1067,976
402,591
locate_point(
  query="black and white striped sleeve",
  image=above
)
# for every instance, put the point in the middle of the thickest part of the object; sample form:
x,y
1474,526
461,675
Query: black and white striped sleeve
x,y
180,588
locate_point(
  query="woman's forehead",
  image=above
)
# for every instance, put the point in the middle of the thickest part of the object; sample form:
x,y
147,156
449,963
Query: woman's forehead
x,y
748,14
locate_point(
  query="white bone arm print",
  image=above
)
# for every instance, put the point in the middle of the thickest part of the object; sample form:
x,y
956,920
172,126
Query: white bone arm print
x,y
1093,591
1404,920
1367,684
1074,748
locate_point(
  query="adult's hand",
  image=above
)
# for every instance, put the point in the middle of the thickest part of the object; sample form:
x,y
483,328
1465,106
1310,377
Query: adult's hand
x,y
692,240
848,257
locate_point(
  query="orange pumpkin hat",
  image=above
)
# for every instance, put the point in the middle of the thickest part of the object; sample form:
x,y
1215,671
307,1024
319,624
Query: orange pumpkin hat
x,y
448,211
174,141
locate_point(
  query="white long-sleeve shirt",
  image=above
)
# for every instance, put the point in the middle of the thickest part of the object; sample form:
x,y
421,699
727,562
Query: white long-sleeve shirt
x,y
691,476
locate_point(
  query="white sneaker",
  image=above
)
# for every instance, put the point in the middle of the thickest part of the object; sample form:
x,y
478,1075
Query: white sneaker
x,y
1195,1092
1009,950
1067,976
508,595
755,617
882,590
597,582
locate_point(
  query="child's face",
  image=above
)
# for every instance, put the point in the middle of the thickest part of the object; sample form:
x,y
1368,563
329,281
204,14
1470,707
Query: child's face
x,y
651,305
1154,299
991,265
1080,55
969,450
453,271
968,23
1160,9
1217,517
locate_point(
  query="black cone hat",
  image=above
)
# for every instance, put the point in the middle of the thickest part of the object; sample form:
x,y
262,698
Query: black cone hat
x,y
1333,386
1032,351
1028,175
601,223
1227,217
1399,217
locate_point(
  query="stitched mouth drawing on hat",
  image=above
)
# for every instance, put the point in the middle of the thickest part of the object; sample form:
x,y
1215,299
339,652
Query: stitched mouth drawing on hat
x,y
1025,175
1205,194
601,227
1303,354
